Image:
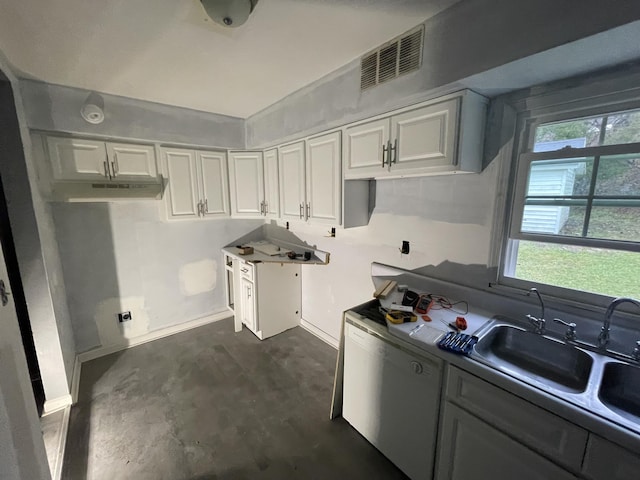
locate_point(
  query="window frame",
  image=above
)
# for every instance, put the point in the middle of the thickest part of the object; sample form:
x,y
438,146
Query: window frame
x,y
551,106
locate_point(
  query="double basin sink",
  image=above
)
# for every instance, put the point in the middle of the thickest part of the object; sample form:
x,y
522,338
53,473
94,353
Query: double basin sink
x,y
588,379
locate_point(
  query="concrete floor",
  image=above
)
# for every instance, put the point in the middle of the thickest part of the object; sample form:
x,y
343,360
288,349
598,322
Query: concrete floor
x,y
213,404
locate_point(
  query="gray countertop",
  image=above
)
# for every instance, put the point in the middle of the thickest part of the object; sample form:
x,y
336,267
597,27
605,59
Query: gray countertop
x,y
604,427
258,257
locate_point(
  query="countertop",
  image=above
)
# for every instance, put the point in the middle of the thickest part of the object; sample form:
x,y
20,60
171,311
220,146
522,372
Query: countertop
x,y
603,427
259,257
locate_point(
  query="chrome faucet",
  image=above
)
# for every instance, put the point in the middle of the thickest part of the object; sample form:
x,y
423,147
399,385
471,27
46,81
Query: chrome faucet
x,y
603,338
538,323
570,334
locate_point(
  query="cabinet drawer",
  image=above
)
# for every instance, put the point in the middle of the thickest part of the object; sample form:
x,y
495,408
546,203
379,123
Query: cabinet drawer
x,y
533,426
606,461
246,270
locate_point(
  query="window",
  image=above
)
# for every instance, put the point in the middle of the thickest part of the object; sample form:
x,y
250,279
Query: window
x,y
575,220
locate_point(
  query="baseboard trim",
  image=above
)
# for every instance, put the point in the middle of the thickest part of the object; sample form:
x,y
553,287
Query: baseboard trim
x,y
56,404
151,336
75,380
62,445
322,335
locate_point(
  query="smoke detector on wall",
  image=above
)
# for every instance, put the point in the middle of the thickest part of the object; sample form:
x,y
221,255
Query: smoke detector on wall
x,y
230,13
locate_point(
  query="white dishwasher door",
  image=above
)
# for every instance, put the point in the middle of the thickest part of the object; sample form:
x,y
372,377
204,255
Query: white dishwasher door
x,y
392,398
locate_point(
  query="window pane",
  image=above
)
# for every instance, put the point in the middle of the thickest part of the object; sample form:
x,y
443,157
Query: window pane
x,y
553,220
560,177
619,128
607,272
615,223
619,175
580,133
623,128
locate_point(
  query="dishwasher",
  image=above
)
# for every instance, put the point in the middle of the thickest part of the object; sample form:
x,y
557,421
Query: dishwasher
x,y
392,398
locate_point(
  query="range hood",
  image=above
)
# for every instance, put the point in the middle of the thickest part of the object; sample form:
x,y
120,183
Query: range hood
x,y
105,191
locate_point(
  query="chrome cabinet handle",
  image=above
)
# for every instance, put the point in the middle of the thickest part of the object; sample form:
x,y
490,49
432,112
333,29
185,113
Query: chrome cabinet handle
x,y
308,210
393,149
205,208
4,294
266,208
114,165
301,209
262,208
106,170
200,208
385,150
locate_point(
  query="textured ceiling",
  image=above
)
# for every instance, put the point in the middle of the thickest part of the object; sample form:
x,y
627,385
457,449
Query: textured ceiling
x,y
168,51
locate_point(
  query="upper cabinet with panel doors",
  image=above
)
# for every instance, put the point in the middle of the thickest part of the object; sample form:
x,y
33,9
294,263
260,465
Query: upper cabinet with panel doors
x,y
197,183
253,179
94,160
441,136
310,180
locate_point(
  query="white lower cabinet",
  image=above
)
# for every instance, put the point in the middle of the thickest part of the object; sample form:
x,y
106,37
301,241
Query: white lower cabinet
x,y
248,304
470,449
392,398
264,297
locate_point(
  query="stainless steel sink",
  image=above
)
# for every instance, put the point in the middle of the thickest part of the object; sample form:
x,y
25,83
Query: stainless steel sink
x,y
537,358
620,389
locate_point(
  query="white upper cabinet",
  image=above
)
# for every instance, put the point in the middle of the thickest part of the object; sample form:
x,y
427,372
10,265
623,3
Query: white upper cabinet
x,y
212,170
80,159
271,206
443,136
324,179
292,182
182,189
132,162
246,184
424,138
196,184
365,148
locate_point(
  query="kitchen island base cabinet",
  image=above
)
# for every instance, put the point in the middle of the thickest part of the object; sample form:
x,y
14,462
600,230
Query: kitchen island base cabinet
x,y
470,449
392,398
266,296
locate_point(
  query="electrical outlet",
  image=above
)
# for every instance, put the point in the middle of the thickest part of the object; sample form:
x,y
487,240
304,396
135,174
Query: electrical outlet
x,y
405,247
124,317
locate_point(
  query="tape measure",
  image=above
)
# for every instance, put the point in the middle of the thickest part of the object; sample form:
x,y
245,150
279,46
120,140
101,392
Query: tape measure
x,y
395,316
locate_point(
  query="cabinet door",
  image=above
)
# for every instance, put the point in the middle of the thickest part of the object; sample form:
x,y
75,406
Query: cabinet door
x,y
212,171
392,398
425,138
246,184
607,461
470,449
78,159
248,310
324,179
132,162
292,181
182,190
363,150
271,184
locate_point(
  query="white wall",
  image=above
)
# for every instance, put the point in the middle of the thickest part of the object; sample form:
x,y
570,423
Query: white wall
x,y
37,254
446,220
123,256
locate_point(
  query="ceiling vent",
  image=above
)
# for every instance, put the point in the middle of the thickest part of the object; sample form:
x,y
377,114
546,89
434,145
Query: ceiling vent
x,y
397,57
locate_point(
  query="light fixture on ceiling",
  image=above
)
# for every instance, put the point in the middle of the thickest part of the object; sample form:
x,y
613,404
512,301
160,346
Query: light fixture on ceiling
x,y
230,13
93,109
